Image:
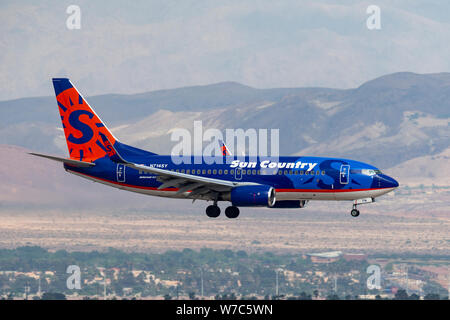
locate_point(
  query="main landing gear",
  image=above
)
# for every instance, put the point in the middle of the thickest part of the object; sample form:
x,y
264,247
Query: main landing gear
x,y
213,211
232,212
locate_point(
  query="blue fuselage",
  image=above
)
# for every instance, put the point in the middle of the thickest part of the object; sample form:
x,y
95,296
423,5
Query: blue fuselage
x,y
309,178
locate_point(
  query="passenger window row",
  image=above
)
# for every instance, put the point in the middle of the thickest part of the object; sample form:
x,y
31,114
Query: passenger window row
x,y
246,172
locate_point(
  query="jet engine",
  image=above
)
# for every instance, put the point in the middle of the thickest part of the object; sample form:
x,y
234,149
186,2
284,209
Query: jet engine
x,y
290,204
252,196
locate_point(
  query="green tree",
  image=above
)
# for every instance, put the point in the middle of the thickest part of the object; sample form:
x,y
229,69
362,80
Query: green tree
x,y
316,293
432,296
414,297
53,296
304,296
401,295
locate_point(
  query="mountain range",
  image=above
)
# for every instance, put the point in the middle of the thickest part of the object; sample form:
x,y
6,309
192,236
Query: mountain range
x,y
398,122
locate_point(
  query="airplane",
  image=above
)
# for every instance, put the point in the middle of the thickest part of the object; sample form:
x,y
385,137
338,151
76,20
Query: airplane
x,y
289,182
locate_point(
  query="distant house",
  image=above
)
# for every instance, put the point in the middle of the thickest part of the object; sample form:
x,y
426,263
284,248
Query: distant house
x,y
127,291
325,257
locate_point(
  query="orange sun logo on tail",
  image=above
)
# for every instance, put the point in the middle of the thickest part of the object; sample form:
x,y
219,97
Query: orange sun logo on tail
x,y
81,124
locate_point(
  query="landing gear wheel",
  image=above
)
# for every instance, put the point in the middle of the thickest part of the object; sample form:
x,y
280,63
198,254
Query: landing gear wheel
x,y
232,212
354,212
213,211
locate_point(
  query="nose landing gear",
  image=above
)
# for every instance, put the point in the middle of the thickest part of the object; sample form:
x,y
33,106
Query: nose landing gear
x,y
354,212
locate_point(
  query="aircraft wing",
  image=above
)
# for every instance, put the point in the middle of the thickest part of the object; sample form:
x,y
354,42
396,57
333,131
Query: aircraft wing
x,y
185,182
199,186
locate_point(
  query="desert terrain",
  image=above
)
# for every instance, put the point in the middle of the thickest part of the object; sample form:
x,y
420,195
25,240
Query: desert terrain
x,y
396,223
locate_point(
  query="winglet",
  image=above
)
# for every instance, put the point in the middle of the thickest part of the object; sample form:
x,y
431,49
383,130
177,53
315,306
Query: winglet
x,y
111,151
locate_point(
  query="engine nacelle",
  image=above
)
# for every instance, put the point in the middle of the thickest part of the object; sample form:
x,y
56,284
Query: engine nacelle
x,y
253,196
290,204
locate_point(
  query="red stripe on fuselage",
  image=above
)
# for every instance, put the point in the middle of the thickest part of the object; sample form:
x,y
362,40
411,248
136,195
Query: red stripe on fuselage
x,y
326,190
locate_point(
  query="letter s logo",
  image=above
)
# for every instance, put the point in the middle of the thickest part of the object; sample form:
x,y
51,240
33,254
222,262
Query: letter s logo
x,y
109,149
86,131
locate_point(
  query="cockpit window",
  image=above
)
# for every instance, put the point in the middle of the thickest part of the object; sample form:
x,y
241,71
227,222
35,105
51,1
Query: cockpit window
x,y
370,172
367,172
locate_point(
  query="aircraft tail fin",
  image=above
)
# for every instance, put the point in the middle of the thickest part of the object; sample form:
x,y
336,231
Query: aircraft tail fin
x,y
82,126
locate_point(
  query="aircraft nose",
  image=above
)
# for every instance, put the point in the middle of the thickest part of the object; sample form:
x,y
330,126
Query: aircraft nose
x,y
394,182
388,182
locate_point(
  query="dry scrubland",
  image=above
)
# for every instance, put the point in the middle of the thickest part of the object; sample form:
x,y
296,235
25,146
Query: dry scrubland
x,y
406,222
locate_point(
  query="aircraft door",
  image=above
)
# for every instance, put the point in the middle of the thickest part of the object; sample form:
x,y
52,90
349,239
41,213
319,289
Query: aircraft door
x,y
238,174
344,174
120,172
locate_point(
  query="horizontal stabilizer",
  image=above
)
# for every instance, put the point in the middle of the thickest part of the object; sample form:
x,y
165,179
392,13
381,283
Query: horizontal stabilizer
x,y
71,162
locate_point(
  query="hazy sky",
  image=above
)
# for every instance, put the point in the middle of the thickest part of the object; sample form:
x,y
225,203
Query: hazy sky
x,y
136,46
